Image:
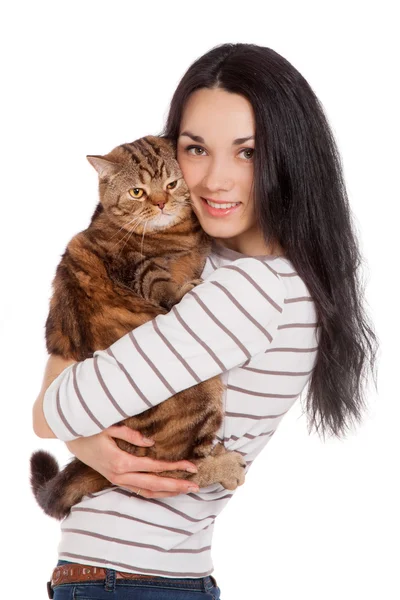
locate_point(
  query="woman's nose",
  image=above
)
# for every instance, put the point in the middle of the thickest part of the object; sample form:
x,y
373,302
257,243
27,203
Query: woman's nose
x,y
218,177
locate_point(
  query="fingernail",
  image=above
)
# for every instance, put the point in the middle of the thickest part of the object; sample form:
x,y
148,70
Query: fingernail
x,y
191,470
147,441
193,489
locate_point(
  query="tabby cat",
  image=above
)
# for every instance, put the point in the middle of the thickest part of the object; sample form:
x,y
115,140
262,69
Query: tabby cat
x,y
143,250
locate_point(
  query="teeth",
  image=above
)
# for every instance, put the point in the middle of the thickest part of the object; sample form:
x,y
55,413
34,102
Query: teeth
x,y
219,205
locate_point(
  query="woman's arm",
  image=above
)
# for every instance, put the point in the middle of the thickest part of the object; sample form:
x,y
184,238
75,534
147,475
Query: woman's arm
x,y
219,325
102,453
54,366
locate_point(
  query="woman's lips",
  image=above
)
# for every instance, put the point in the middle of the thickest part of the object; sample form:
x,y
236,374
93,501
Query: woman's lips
x,y
218,212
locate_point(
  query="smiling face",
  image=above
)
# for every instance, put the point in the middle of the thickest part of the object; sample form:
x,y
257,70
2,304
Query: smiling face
x,y
215,153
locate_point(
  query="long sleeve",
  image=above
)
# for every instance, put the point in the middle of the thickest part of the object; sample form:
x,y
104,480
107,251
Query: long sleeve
x,y
220,324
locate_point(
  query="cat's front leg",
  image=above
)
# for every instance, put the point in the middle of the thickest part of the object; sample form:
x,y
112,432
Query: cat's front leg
x,y
220,466
187,287
171,292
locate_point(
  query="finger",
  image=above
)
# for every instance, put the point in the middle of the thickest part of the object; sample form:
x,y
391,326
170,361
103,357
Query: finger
x,y
162,494
135,481
143,463
149,494
133,436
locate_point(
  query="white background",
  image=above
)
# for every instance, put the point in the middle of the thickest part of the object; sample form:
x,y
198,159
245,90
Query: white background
x,y
315,521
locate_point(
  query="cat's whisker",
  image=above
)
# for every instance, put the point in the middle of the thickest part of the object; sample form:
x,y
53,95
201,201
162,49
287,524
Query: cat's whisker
x,y
144,231
130,231
127,236
121,240
140,220
135,218
116,233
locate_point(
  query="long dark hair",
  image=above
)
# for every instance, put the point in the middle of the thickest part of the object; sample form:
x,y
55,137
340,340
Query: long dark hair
x,y
301,201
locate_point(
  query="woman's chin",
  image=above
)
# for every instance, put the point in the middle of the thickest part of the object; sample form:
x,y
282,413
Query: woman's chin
x,y
218,230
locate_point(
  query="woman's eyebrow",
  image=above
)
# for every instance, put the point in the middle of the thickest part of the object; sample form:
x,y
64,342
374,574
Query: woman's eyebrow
x,y
198,138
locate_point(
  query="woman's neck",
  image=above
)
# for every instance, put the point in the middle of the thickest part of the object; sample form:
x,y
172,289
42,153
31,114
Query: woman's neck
x,y
252,246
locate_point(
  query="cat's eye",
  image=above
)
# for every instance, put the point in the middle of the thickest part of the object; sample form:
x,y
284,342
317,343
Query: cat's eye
x,y
136,193
172,185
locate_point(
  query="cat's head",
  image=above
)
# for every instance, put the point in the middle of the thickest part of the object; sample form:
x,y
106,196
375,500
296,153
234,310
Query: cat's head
x,y
141,185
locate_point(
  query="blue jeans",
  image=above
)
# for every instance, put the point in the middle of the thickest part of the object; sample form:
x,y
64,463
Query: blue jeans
x,y
161,588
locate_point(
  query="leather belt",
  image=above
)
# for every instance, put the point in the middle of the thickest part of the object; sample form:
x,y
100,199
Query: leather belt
x,y
75,573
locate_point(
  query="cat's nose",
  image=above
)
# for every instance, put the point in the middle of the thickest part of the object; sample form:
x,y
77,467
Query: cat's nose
x,y
159,200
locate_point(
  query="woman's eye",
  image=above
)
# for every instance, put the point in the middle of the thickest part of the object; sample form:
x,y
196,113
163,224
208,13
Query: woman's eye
x,y
172,185
194,148
136,193
247,150
251,150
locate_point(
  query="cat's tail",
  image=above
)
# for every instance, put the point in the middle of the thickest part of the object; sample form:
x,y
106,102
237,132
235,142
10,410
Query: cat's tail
x,y
44,469
57,491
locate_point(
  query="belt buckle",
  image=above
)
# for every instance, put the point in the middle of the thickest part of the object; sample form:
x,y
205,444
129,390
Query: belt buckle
x,y
50,591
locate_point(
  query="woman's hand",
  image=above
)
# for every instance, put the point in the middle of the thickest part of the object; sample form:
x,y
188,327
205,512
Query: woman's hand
x,y
101,453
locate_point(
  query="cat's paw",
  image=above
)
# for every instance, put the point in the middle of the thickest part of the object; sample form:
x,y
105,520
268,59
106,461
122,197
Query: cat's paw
x,y
233,466
194,282
188,286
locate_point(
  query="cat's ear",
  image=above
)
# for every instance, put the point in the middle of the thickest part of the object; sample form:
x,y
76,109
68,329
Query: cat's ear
x,y
104,167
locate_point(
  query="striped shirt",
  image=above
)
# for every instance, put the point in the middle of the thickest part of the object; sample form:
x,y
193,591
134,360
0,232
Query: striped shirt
x,y
253,322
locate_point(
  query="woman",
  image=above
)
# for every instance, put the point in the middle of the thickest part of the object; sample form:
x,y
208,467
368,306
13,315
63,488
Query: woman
x,y
280,308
